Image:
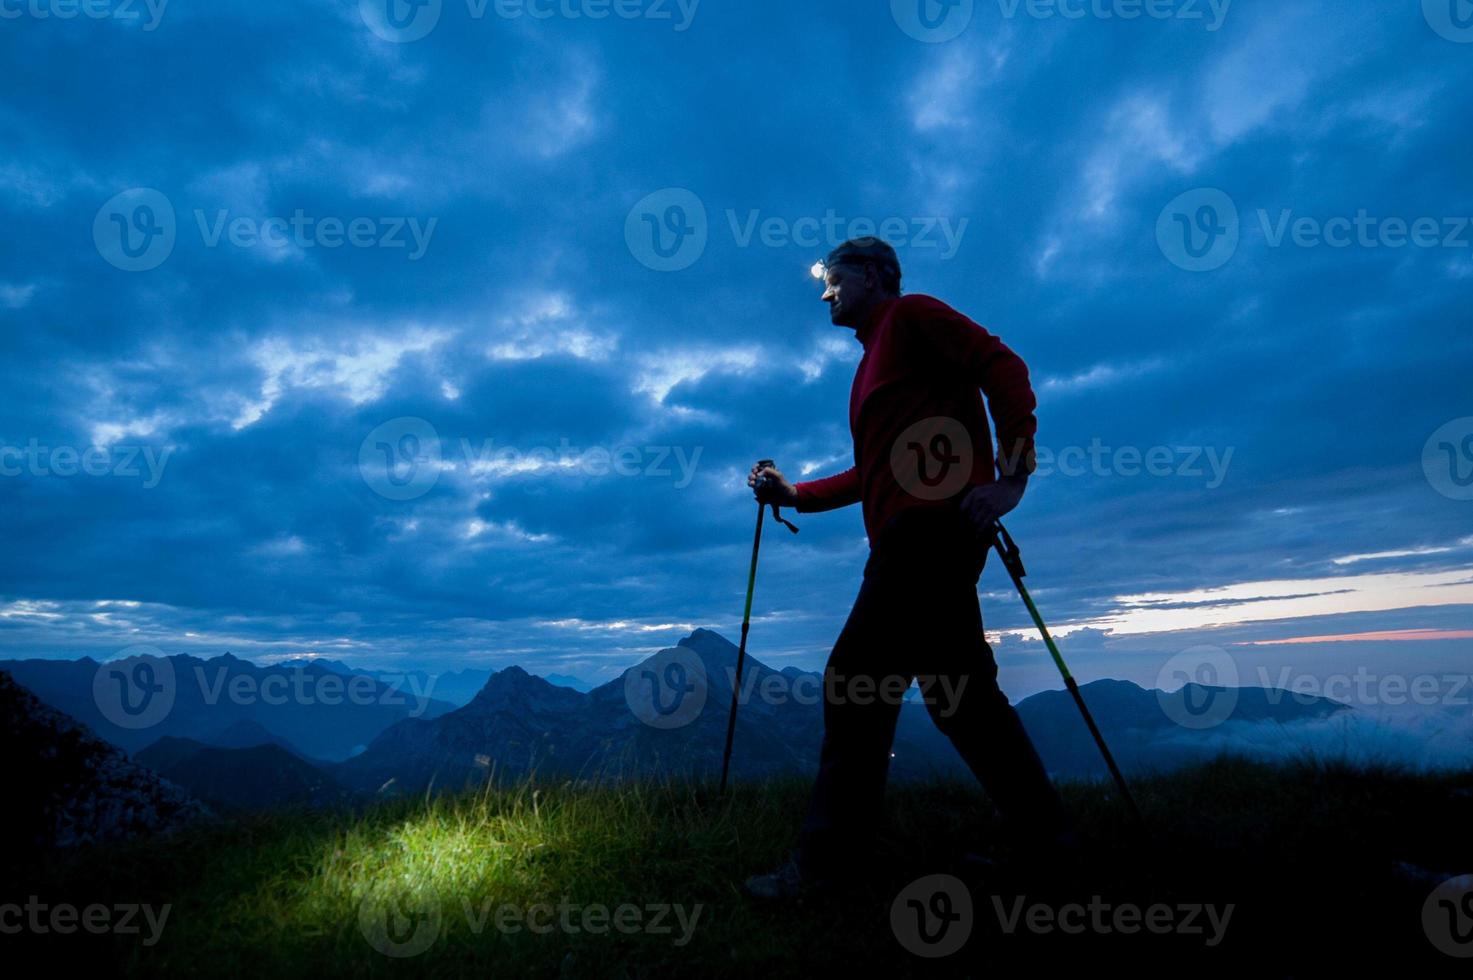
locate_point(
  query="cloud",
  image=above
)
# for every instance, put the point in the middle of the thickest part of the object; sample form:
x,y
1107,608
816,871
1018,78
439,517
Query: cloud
x,y
1288,599
662,371
1139,137
546,325
357,370
16,297
531,323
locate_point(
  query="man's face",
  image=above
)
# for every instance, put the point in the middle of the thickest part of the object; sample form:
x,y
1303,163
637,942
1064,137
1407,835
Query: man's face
x,y
849,290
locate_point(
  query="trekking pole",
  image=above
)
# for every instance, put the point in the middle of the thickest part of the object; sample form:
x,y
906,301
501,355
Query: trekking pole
x,y
1007,548
747,618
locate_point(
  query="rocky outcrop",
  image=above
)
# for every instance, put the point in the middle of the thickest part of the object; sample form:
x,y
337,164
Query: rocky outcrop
x,y
68,787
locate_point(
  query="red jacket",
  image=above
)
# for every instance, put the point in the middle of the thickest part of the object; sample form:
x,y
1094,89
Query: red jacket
x,y
921,437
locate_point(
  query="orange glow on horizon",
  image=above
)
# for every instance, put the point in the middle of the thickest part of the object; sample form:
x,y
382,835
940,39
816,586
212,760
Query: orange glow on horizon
x,y
1392,635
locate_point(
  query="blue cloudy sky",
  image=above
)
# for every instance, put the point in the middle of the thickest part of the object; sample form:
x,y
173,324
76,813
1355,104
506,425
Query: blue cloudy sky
x,y
322,336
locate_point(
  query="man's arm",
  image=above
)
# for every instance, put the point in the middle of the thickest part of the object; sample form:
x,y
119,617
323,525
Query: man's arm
x,y
829,493
992,366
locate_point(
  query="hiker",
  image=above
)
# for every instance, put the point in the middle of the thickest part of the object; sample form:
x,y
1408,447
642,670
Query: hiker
x,y
924,473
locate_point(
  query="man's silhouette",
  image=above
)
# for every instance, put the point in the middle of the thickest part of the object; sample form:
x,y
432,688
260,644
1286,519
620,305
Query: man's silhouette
x,y
931,487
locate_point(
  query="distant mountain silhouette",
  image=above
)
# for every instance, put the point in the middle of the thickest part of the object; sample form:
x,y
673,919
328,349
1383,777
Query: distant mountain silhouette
x,y
64,786
310,708
245,734
1139,727
252,778
457,687
251,755
520,723
565,680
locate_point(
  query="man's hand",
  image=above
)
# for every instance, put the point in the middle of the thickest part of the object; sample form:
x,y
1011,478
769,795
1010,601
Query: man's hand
x,y
992,501
777,489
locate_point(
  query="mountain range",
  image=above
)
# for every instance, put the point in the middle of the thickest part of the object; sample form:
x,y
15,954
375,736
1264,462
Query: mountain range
x,y
317,711
65,786
518,723
456,687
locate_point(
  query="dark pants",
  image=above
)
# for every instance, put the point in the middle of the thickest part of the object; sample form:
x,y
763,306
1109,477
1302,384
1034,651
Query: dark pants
x,y
917,617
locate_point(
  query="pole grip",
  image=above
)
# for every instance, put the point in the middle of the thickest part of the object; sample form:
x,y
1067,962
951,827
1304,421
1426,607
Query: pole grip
x,y
776,515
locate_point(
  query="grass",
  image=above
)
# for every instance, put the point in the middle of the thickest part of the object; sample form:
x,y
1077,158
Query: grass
x,y
1305,853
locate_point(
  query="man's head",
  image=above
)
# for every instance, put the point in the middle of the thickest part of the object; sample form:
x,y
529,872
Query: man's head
x,y
858,276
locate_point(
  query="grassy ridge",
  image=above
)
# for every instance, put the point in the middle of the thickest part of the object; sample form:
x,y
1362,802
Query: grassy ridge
x,y
1306,854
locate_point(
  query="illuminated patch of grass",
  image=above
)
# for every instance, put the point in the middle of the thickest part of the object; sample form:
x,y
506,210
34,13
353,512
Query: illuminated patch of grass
x,y
281,894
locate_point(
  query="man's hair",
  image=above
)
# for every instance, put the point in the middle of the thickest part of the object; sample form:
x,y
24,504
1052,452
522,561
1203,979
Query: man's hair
x,y
875,251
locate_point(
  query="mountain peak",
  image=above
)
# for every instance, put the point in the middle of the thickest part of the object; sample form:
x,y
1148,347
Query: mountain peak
x,y
711,646
515,684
